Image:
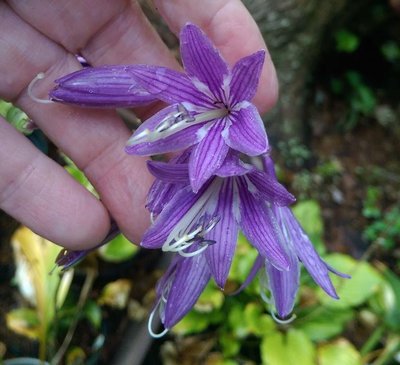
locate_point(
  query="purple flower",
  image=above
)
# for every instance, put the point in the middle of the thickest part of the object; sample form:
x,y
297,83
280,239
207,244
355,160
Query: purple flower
x,y
209,107
101,87
211,218
179,289
283,284
202,229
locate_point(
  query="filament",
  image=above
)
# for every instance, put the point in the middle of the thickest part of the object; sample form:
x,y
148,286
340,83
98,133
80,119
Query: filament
x,y
38,77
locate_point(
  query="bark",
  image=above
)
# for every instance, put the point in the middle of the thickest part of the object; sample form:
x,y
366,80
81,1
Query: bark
x,y
295,32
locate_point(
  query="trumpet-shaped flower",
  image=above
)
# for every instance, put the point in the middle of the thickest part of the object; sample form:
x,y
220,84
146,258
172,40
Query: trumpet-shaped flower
x,y
211,218
209,107
203,227
101,87
283,285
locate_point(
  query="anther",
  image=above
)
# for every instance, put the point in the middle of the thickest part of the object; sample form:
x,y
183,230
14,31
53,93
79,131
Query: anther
x,y
39,76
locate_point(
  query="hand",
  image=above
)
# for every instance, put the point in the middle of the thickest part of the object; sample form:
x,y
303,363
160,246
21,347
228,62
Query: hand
x,y
41,36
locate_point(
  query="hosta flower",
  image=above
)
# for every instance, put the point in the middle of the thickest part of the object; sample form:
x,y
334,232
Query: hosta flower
x,y
209,107
101,87
210,219
202,229
283,284
179,289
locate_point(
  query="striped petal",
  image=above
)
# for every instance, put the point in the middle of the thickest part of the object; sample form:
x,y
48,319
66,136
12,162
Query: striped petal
x,y
169,85
246,133
258,227
269,189
151,139
219,255
208,156
101,87
245,76
202,61
191,277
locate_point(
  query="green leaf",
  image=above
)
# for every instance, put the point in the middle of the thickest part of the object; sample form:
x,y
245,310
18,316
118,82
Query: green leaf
x,y
117,250
294,347
309,215
340,352
230,344
318,324
195,322
212,298
365,281
258,322
346,41
92,313
391,299
24,321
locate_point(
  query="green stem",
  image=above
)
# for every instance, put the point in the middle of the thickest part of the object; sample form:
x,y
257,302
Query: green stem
x,y
87,286
392,346
372,340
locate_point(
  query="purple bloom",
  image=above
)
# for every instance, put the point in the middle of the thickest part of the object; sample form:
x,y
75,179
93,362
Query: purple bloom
x,y
202,228
283,285
101,87
179,289
209,107
211,218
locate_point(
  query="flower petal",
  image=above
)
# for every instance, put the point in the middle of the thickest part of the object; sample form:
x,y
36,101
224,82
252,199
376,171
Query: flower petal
x,y
245,76
284,285
246,132
208,156
169,172
259,229
160,194
270,189
202,61
306,252
169,85
219,255
257,265
147,141
106,86
170,216
233,166
191,277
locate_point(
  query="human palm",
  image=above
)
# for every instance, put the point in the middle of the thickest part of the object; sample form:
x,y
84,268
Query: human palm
x,y
42,36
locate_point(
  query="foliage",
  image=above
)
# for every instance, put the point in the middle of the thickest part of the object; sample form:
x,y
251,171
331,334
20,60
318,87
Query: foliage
x,y
16,117
384,226
358,95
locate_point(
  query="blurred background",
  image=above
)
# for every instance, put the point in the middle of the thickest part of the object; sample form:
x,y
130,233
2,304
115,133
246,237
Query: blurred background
x,y
336,138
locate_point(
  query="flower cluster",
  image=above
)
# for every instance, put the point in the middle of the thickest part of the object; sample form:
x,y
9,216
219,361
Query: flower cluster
x,y
222,182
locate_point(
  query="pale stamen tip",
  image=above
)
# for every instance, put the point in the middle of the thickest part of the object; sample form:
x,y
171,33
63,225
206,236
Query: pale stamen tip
x,y
279,320
39,76
150,326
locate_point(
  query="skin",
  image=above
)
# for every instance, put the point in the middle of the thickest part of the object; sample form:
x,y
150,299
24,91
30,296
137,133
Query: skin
x,y
42,36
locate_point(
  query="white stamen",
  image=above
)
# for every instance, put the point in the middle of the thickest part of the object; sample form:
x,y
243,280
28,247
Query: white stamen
x,y
175,122
150,325
283,321
194,253
39,76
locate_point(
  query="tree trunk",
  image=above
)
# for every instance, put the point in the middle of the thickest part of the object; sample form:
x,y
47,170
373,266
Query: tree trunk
x,y
295,32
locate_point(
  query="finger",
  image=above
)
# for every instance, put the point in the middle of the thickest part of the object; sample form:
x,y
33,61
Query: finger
x,y
232,29
95,140
37,191
102,31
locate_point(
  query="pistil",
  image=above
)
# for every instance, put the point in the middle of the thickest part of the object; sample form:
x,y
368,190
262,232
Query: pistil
x,y
175,122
